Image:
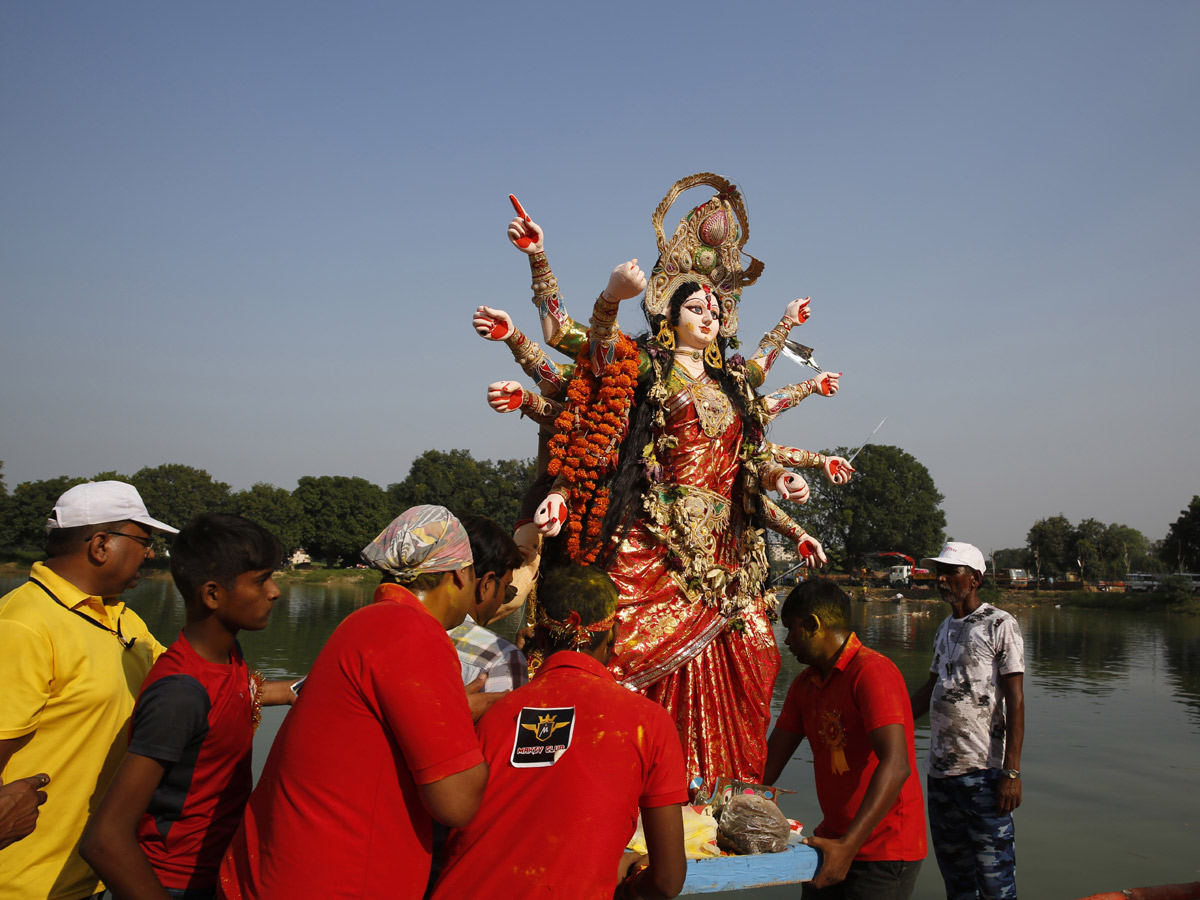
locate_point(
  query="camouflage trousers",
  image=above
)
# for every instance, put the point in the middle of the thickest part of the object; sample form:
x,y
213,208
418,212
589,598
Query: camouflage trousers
x,y
974,844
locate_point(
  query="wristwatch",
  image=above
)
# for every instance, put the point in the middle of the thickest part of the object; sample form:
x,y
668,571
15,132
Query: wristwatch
x,y
1014,774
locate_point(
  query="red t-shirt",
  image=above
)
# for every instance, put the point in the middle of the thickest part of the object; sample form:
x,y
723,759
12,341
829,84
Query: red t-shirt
x,y
195,716
559,830
336,813
864,691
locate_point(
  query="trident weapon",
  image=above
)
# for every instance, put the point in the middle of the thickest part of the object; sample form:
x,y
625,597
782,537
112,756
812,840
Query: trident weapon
x,y
867,441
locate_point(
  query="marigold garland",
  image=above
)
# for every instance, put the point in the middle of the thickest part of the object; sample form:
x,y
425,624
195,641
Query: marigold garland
x,y
588,433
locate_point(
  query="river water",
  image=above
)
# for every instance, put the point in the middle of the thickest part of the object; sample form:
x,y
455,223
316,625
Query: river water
x,y
1111,764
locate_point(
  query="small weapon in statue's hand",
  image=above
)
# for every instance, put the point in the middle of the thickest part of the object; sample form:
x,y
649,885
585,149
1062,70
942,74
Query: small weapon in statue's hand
x,y
521,241
801,355
868,440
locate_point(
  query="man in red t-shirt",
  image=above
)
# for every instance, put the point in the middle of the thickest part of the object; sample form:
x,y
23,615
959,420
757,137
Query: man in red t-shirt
x,y
180,790
853,706
379,742
572,757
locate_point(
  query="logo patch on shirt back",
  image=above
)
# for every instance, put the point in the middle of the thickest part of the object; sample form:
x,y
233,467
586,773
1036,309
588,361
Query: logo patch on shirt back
x,y
543,735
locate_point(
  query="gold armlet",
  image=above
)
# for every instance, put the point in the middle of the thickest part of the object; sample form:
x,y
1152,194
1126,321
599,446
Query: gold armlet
x,y
544,282
776,336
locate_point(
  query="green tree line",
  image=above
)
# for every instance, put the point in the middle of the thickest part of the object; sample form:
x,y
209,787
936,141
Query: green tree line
x,y
891,505
331,516
1095,551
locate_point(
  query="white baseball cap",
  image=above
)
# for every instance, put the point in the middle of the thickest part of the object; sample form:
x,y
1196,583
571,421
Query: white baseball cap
x,y
957,553
98,502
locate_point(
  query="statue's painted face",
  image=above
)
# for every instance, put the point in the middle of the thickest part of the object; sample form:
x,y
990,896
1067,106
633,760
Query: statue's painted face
x,y
698,321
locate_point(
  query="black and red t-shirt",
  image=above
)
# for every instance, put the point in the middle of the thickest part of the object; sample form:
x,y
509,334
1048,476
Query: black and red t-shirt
x,y
195,717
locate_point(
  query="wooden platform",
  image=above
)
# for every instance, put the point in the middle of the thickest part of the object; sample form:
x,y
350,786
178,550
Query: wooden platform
x,y
737,873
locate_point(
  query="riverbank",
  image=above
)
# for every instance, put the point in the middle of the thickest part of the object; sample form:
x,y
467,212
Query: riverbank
x,y
1137,602
159,569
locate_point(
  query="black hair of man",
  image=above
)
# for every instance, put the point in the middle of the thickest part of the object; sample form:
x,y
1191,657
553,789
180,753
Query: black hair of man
x,y
492,547
821,598
219,547
585,590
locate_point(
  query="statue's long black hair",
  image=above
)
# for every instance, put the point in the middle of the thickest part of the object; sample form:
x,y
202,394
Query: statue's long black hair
x,y
631,480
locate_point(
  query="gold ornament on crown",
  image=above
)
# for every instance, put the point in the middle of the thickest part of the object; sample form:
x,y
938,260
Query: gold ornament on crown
x,y
706,248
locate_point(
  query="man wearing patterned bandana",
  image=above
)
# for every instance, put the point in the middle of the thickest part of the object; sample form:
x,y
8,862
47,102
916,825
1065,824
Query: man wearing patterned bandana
x,y
852,705
975,698
572,758
380,741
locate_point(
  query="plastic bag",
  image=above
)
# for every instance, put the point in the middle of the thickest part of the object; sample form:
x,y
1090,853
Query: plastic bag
x,y
752,824
699,834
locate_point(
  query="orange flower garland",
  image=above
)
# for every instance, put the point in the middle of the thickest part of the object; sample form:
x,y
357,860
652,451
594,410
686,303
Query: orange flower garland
x,y
588,433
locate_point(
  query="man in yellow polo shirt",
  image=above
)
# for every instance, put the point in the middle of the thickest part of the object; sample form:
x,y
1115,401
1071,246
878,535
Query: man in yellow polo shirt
x,y
72,660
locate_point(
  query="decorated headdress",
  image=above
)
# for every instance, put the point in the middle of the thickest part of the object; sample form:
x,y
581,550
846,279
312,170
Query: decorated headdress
x,y
705,248
575,603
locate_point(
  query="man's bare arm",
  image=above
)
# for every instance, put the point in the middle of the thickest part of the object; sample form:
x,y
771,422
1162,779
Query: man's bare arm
x,y
8,747
455,799
1008,792
110,843
921,696
890,745
664,874
781,747
278,693
20,800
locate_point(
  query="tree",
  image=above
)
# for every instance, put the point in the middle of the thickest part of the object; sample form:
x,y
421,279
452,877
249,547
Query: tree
x,y
273,508
1052,543
1088,541
175,493
892,504
3,486
464,485
1013,558
1124,550
341,515
1181,547
23,513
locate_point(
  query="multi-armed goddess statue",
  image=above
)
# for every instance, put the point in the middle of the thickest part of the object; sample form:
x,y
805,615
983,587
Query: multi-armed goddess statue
x,y
660,467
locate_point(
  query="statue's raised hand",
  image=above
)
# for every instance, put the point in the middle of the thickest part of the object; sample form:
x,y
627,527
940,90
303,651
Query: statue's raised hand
x,y
626,281
492,324
838,470
792,487
551,514
797,311
505,396
524,233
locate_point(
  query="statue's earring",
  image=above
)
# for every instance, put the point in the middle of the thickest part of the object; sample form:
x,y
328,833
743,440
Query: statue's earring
x,y
712,355
665,336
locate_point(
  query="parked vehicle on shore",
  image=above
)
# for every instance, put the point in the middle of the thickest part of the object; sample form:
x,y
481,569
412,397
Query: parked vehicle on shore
x,y
1141,581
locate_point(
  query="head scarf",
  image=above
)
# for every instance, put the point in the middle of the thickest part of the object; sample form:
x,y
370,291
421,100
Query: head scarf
x,y
419,540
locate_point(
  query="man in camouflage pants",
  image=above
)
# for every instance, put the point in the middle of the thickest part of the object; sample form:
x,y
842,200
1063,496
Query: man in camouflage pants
x,y
976,704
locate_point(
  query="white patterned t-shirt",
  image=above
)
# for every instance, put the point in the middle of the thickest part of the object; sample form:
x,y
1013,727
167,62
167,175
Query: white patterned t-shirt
x,y
966,711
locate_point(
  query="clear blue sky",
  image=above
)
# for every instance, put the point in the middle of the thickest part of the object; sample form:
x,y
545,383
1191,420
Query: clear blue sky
x,y
249,237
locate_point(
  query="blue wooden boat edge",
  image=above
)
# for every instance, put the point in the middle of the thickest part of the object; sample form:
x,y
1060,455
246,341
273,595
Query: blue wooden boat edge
x,y
738,873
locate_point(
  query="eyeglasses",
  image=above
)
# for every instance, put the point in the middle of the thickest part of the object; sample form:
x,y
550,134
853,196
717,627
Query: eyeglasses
x,y
146,542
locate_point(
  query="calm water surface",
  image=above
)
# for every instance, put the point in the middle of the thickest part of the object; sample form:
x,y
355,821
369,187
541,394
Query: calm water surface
x,y
1111,765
